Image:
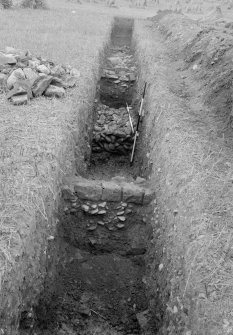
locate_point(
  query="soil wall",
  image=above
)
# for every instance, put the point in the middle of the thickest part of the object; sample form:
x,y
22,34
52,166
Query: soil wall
x,y
26,261
189,164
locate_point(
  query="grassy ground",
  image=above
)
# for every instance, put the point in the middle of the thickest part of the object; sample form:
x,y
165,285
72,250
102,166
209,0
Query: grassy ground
x,y
35,140
191,153
32,134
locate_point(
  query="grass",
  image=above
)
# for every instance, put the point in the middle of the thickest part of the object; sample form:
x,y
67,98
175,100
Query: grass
x,y
35,140
195,177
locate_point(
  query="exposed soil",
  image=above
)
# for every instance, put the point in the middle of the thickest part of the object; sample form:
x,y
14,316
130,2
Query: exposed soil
x,y
190,150
97,283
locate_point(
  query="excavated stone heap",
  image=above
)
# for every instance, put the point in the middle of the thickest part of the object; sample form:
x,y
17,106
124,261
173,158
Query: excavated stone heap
x,y
24,77
112,131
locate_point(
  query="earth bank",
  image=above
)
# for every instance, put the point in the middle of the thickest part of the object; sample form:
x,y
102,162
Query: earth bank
x,y
49,143
188,68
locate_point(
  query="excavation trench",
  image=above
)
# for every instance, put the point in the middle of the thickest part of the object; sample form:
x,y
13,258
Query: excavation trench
x,y
96,263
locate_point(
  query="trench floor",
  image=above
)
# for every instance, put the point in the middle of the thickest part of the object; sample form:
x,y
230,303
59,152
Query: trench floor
x,y
98,286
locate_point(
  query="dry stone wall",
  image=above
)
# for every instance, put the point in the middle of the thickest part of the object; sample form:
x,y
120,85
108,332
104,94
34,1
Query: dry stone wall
x,y
117,189
106,215
112,131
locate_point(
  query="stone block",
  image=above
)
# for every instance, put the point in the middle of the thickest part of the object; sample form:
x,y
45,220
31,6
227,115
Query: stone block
x,y
69,81
20,99
111,191
54,91
149,195
88,189
16,75
132,193
43,69
41,84
7,59
30,74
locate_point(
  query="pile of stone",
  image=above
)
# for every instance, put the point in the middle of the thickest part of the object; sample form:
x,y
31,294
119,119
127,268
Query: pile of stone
x,y
24,77
112,131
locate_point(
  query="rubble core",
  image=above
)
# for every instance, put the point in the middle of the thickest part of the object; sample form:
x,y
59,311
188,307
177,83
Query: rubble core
x,y
112,132
23,76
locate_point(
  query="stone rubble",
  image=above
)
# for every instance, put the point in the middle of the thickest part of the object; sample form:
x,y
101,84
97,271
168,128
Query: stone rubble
x,y
24,77
100,216
111,220
112,131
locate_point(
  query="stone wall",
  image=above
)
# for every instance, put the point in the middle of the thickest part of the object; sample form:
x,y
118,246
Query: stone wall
x,y
112,132
115,190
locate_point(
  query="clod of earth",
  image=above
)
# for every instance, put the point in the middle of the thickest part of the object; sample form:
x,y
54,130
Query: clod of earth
x,y
23,76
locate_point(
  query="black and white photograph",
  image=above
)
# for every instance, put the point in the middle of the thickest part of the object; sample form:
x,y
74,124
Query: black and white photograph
x,y
116,167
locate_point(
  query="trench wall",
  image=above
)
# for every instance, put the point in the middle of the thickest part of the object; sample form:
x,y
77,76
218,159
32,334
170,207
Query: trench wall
x,y
191,186
26,259
163,135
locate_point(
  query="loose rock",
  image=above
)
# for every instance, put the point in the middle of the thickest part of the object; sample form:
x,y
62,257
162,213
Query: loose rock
x,y
30,74
40,85
54,91
7,59
43,69
16,75
20,99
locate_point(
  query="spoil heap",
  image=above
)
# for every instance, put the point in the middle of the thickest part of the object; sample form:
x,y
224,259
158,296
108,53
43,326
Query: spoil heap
x,y
24,77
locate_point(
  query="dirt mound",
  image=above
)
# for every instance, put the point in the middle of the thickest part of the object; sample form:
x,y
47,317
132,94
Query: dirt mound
x,y
191,81
207,50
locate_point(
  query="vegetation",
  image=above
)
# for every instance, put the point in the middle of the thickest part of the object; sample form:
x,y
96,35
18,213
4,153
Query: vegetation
x,y
35,4
6,4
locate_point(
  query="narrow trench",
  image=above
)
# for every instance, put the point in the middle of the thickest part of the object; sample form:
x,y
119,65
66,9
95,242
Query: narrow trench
x,y
96,283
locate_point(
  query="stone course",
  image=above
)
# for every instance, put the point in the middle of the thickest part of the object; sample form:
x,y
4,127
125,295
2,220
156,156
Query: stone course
x,y
23,76
114,191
